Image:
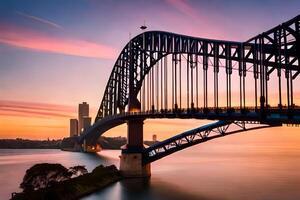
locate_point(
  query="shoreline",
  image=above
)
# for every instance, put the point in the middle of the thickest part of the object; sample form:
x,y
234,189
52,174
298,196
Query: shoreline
x,y
108,143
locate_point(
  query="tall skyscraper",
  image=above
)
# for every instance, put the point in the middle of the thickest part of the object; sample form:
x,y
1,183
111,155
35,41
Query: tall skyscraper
x,y
86,121
73,127
83,111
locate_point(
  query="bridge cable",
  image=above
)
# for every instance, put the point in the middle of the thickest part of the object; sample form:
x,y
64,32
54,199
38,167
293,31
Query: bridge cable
x,y
187,90
255,68
157,86
192,81
278,60
166,82
180,81
197,73
148,92
176,106
173,88
152,88
161,83
205,75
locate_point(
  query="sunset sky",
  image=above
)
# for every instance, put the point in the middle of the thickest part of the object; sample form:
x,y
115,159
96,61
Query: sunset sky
x,y
55,54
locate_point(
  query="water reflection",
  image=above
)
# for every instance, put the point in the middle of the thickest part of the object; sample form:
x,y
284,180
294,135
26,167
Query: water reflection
x,y
14,163
136,189
260,165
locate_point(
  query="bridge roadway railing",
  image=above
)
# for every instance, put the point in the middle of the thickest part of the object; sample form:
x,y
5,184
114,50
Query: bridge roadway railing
x,y
283,110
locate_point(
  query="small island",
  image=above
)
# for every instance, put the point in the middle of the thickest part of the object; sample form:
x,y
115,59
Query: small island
x,y
54,181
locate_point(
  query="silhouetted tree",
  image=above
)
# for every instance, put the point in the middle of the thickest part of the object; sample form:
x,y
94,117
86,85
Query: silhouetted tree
x,y
78,170
42,175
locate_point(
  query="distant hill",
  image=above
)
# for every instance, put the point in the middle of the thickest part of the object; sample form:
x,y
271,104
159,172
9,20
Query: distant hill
x,y
29,144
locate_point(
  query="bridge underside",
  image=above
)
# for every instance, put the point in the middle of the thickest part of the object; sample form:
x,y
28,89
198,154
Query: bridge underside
x,y
198,135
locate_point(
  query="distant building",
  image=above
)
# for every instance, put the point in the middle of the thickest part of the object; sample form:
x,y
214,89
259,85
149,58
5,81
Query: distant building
x,y
77,126
86,123
83,111
154,138
73,127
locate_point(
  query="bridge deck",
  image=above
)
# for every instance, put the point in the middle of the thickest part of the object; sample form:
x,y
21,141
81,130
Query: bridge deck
x,y
270,116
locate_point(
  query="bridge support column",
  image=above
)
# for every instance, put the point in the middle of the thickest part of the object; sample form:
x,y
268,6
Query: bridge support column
x,y
131,166
131,160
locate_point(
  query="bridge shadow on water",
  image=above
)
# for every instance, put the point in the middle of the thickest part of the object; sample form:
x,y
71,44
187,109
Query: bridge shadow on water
x,y
140,188
155,188
146,189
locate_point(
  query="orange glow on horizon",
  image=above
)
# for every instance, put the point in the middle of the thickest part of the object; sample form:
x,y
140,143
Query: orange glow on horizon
x,y
33,128
41,121
34,120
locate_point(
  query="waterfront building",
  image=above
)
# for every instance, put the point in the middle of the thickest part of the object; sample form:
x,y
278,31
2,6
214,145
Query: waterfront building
x,y
154,138
86,123
73,127
83,111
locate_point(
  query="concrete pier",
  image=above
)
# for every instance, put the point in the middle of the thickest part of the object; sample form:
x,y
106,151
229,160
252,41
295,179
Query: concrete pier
x,y
131,160
131,166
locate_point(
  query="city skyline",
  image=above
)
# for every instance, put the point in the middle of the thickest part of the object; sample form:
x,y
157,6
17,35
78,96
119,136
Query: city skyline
x,y
63,58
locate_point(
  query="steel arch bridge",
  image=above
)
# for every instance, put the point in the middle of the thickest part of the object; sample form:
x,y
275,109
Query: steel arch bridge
x,y
166,75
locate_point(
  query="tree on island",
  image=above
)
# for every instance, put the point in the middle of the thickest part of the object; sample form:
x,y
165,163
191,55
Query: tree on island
x,y
44,174
78,170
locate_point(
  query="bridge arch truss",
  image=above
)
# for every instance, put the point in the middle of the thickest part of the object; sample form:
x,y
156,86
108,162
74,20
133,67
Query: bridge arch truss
x,y
142,74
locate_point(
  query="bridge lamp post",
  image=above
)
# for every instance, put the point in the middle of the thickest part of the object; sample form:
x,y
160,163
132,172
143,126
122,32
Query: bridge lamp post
x,y
143,27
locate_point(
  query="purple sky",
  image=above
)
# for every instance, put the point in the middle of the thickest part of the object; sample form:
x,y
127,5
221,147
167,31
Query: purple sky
x,y
62,51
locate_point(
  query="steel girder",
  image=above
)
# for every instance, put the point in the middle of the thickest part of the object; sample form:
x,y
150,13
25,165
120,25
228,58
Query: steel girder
x,y
196,136
274,117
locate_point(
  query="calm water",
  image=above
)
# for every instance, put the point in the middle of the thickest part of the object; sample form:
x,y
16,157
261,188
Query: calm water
x,y
262,165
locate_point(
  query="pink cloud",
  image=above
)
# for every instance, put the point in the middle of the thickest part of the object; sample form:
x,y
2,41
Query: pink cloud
x,y
184,7
26,38
32,109
35,105
191,21
26,112
39,19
